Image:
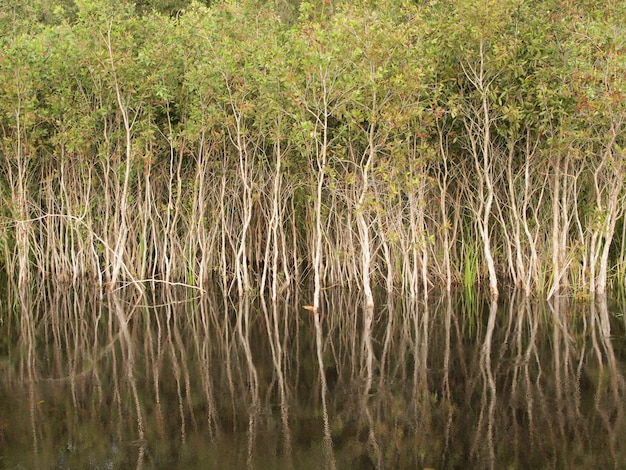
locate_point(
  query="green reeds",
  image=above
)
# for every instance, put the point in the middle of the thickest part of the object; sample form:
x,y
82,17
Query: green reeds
x,y
470,256
470,259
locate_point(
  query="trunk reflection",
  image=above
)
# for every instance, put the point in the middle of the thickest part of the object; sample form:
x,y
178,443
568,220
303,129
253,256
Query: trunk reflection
x,y
171,379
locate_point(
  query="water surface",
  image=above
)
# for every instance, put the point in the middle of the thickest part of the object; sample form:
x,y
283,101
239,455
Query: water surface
x,y
177,380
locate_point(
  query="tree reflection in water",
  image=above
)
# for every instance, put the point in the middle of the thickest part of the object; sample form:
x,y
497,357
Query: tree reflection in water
x,y
173,380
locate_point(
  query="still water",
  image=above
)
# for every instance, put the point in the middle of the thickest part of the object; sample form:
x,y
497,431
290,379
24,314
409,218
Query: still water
x,y
176,380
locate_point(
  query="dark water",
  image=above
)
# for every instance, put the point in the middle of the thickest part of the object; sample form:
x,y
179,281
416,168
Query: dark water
x,y
172,380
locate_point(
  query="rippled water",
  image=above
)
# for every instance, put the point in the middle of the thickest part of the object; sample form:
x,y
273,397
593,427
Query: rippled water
x,y
174,380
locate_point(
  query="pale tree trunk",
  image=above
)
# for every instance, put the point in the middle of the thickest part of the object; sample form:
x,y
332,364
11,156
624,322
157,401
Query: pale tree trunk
x,y
532,271
363,224
20,199
317,256
557,252
121,209
423,235
519,268
443,176
615,210
122,201
608,183
321,156
241,255
478,121
411,253
274,240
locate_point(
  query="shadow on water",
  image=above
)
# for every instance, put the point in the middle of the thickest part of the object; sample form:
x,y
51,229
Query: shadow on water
x,y
169,380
